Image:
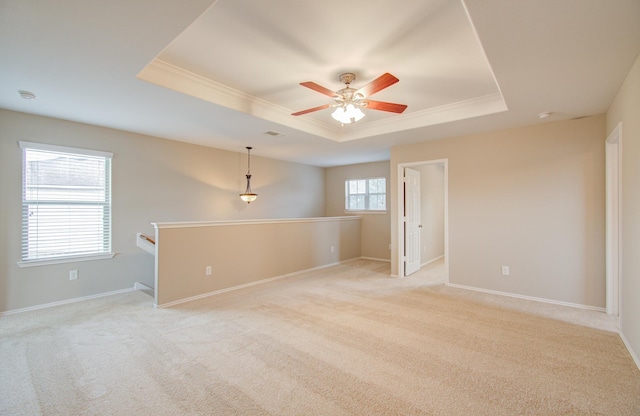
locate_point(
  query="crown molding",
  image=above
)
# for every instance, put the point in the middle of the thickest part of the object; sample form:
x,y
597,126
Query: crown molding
x,y
473,107
178,79
170,76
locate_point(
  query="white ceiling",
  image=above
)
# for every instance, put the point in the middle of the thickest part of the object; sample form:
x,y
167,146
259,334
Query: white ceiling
x,y
223,73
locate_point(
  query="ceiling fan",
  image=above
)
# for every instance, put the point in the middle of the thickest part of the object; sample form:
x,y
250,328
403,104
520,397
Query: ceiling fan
x,y
349,101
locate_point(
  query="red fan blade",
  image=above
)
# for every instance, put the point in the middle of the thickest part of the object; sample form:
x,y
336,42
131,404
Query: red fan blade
x,y
311,110
378,84
382,106
319,88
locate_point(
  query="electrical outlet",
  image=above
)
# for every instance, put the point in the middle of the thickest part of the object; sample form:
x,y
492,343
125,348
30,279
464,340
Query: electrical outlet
x,y
73,274
207,271
505,270
333,249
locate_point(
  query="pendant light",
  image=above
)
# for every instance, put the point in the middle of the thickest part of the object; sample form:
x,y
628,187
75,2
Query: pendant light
x,y
248,196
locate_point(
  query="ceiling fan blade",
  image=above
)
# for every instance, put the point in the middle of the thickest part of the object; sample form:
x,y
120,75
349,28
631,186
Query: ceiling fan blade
x,y
319,88
311,110
382,106
378,84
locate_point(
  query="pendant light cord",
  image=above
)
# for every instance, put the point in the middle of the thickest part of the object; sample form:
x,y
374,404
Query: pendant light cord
x,y
249,160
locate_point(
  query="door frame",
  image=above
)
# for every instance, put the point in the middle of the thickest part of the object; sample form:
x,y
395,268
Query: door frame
x,y
400,213
613,152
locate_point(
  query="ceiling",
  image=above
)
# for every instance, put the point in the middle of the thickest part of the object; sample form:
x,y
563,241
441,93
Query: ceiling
x,y
224,73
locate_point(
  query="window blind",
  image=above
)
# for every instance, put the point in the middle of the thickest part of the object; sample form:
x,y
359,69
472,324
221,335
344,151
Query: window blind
x,y
66,202
365,194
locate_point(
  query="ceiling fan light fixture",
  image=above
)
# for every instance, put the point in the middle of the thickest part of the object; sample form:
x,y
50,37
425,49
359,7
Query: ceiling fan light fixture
x,y
348,114
354,113
338,114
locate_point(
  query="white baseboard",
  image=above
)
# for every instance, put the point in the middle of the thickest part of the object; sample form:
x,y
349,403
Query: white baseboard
x,y
631,352
64,302
218,292
514,295
144,288
141,286
376,259
257,282
432,260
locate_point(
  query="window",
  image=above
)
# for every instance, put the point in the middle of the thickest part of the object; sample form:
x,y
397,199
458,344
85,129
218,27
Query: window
x,y
66,204
366,194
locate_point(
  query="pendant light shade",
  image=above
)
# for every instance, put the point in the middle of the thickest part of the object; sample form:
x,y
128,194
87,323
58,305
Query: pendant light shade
x,y
248,196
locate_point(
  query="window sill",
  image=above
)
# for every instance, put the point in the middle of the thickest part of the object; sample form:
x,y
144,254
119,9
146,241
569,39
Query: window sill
x,y
71,259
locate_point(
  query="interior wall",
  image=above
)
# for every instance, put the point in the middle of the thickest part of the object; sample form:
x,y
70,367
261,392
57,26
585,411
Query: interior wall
x,y
275,248
530,198
625,109
376,227
431,211
154,180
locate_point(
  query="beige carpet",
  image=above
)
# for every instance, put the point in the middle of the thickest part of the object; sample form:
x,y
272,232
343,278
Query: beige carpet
x,y
345,340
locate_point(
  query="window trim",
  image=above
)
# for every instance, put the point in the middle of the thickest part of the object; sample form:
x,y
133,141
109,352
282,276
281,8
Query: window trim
x,y
367,211
64,149
65,259
69,258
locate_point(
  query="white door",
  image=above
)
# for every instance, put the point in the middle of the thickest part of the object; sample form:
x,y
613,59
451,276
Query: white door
x,y
411,221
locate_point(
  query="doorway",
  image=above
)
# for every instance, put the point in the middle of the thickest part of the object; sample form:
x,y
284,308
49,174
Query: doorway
x,y
433,203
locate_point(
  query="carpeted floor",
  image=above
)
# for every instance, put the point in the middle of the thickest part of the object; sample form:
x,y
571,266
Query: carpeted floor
x,y
346,340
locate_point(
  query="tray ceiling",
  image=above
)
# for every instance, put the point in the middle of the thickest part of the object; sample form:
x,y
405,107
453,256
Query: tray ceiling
x,y
224,57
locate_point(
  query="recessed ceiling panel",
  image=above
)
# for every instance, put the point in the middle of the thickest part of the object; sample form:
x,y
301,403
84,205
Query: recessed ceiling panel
x,y
252,56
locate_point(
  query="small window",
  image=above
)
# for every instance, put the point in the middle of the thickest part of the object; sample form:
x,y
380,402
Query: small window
x,y
366,194
66,203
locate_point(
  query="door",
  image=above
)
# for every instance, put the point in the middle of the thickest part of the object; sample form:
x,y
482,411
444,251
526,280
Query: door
x,y
411,221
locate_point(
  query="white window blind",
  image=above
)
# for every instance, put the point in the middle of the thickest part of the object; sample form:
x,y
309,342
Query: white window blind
x,y
366,194
66,202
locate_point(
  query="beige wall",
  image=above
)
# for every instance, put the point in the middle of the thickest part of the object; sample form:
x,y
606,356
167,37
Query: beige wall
x,y
243,253
626,109
375,227
431,211
154,180
530,198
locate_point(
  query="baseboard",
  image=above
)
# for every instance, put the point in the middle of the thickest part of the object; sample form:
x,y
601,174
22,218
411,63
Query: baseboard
x,y
144,288
245,285
514,295
376,259
218,292
631,352
64,302
432,261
